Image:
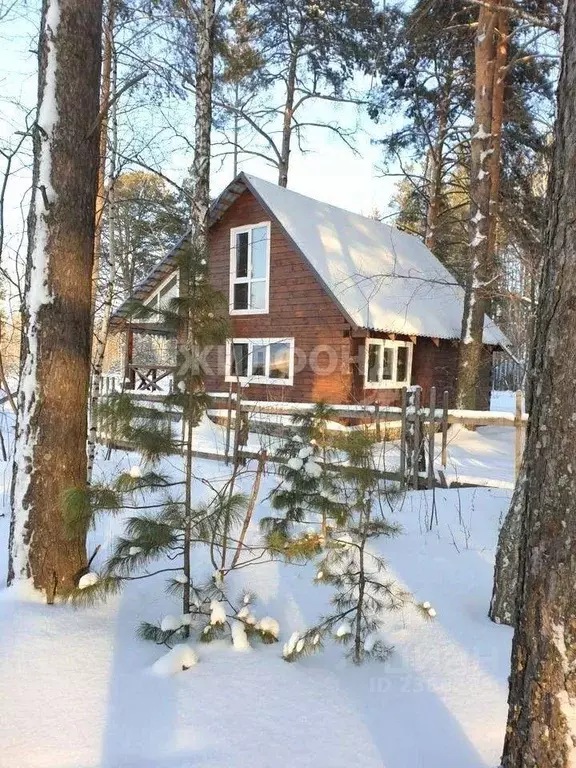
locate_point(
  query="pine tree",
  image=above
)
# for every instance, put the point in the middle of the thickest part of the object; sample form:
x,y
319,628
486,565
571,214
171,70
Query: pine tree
x,y
351,499
541,728
308,492
53,394
161,536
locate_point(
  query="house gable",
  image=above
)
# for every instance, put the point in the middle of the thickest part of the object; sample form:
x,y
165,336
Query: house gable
x,y
299,308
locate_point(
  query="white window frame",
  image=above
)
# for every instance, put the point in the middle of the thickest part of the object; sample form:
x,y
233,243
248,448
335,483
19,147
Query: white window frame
x,y
234,231
260,379
392,383
152,300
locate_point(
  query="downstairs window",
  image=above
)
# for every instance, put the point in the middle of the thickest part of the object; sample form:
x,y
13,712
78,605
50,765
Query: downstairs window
x,y
388,364
260,361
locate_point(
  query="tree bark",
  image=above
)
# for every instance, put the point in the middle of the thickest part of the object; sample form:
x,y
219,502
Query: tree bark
x,y
206,19
498,93
100,335
50,451
436,174
287,122
541,729
202,147
503,605
481,266
105,91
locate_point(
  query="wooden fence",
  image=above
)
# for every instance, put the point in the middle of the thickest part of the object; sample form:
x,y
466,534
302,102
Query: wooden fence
x,y
420,433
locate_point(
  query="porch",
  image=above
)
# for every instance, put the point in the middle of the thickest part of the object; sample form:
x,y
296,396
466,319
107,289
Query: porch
x,y
146,362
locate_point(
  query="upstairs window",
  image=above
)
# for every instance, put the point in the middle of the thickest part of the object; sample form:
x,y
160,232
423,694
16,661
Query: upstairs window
x,y
161,298
388,364
260,361
249,269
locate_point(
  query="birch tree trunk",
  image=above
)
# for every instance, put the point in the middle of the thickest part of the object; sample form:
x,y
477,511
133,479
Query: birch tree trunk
x,y
205,22
100,335
50,450
202,147
541,729
103,151
287,121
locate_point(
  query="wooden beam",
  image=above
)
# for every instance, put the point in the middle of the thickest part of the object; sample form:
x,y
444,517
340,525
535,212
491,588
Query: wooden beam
x,y
435,341
413,339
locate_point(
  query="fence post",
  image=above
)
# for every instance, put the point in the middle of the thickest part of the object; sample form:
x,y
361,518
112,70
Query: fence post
x,y
237,423
431,435
228,424
445,402
416,445
402,469
519,436
377,418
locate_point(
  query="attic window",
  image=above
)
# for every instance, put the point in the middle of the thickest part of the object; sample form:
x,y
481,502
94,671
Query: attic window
x,y
249,269
388,364
161,298
260,361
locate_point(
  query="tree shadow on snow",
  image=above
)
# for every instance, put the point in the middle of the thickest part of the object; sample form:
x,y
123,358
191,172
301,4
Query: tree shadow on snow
x,y
142,711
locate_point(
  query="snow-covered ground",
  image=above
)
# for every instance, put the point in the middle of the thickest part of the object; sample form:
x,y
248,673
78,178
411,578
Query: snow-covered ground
x,y
77,690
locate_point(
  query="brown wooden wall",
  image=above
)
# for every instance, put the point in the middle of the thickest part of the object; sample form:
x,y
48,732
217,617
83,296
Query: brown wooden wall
x,y
299,307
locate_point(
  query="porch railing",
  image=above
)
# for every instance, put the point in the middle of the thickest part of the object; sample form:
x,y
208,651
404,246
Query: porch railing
x,y
151,378
140,378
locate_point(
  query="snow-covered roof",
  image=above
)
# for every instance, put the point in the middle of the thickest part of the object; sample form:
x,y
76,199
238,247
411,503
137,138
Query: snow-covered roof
x,y
383,279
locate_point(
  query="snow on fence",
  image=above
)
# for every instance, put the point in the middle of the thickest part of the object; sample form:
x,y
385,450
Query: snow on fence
x,y
417,430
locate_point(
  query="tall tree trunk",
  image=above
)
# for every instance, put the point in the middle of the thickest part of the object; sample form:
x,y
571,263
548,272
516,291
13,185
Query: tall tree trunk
x,y
541,729
498,93
480,267
503,605
206,19
100,335
436,175
50,451
105,90
287,122
236,130
202,147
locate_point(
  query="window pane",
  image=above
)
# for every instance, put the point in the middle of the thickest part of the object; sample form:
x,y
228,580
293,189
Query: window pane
x,y
259,251
239,362
258,360
280,360
402,368
258,295
169,290
242,254
387,364
374,356
241,296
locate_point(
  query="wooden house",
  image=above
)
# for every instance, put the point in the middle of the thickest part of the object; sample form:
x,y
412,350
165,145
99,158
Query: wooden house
x,y
323,303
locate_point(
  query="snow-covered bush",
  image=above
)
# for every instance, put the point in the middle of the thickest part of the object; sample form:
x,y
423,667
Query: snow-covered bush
x,y
177,659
